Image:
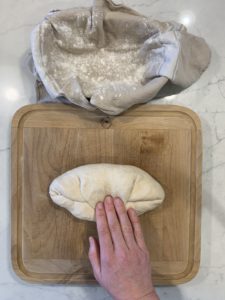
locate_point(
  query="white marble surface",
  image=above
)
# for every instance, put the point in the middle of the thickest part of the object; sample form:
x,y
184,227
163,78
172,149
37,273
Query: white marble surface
x,y
205,18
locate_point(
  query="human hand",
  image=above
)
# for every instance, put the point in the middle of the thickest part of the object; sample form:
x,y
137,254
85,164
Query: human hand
x,y
120,260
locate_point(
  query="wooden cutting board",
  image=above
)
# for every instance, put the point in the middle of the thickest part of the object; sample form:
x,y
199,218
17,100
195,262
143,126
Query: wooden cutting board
x,y
49,244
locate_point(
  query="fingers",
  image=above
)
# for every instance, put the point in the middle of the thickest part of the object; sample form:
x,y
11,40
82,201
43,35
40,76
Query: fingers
x,y
124,222
139,237
105,240
114,225
94,257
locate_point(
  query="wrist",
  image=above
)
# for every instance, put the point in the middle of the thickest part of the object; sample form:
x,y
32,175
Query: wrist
x,y
150,296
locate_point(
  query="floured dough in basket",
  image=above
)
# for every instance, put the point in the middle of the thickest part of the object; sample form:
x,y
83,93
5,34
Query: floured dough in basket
x,y
80,189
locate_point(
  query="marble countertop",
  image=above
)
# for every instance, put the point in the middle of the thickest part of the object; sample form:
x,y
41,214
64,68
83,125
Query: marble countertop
x,y
204,18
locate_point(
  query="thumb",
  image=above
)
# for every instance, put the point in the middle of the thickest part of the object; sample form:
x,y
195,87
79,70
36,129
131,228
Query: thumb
x,y
93,255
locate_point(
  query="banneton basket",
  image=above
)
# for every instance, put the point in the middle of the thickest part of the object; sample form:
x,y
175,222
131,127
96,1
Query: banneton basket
x,y
110,57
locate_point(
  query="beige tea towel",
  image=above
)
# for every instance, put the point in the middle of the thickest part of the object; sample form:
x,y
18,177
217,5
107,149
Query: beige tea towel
x,y
109,57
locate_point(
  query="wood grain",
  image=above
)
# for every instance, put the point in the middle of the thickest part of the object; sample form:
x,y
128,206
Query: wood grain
x,y
49,244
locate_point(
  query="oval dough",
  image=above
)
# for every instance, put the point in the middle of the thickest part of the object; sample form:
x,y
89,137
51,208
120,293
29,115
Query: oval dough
x,y
80,189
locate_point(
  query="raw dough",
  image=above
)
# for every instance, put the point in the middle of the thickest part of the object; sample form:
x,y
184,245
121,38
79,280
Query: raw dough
x,y
80,189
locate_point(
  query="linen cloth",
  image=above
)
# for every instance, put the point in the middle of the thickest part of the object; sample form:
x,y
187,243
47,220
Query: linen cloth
x,y
110,57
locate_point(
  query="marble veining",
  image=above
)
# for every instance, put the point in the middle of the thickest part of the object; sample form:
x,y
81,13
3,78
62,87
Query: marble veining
x,y
206,97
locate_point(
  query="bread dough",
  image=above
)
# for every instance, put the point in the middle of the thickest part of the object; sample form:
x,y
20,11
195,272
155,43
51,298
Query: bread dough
x,y
80,189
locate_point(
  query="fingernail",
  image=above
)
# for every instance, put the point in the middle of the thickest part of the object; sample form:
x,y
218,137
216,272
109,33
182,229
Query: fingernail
x,y
108,199
133,211
90,241
117,200
100,205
